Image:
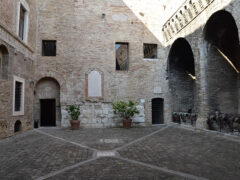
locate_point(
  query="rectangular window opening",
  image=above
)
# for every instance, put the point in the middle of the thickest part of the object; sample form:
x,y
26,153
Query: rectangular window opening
x,y
22,22
122,56
49,47
150,51
18,96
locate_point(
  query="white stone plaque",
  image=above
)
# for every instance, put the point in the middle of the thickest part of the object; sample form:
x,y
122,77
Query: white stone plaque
x,y
94,84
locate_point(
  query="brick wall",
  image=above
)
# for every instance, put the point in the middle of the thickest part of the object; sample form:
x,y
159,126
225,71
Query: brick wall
x,y
20,63
86,40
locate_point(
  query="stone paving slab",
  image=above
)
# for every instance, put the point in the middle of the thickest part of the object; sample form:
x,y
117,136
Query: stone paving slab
x,y
102,138
199,153
161,152
111,168
31,155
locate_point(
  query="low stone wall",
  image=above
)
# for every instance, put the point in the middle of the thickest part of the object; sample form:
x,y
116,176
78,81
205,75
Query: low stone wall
x,y
100,114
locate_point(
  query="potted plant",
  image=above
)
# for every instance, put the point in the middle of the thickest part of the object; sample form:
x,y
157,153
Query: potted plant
x,y
126,109
74,112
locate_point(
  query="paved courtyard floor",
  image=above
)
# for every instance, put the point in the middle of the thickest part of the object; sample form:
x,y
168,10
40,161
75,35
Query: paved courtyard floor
x,y
157,152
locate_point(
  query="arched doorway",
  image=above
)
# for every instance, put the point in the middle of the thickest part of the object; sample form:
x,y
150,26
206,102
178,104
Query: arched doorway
x,y
223,62
157,111
3,62
47,111
17,126
181,73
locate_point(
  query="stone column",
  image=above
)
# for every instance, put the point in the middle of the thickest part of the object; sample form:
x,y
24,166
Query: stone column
x,y
201,73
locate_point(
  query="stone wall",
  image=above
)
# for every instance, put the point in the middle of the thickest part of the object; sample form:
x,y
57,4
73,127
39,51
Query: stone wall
x,y
86,38
213,91
86,35
8,19
221,84
20,66
100,114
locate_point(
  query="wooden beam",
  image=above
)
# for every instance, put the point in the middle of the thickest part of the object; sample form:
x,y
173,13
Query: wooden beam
x,y
228,60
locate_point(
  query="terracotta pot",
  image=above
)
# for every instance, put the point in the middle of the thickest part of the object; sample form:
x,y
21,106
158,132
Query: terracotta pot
x,y
127,124
75,124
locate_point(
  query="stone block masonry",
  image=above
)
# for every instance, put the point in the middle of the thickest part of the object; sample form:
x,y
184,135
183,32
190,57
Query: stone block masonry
x,y
100,114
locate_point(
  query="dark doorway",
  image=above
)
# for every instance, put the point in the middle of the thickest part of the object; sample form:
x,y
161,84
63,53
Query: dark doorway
x,y
48,112
17,126
157,111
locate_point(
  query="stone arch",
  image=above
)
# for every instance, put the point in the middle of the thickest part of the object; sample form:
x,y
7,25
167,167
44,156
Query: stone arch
x,y
181,76
221,31
17,126
222,62
4,58
58,79
47,88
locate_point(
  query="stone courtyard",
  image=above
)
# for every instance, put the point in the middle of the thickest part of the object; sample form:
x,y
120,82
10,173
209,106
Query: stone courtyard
x,y
154,152
176,61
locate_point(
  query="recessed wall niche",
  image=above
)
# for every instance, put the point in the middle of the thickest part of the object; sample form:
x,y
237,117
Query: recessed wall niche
x,y
94,84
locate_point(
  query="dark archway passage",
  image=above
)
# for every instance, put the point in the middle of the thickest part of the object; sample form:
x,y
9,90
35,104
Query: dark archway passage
x,y
222,59
182,76
157,111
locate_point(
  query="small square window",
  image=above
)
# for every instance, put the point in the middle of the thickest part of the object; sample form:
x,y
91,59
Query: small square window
x,y
150,51
122,59
49,47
